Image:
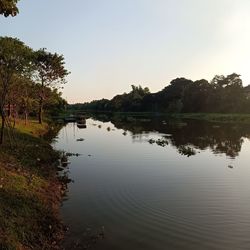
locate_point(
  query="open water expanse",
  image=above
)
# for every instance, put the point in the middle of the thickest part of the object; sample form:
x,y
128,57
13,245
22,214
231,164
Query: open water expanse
x,y
155,184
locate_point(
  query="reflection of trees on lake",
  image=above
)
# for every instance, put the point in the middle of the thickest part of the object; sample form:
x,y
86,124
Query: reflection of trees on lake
x,y
192,134
223,138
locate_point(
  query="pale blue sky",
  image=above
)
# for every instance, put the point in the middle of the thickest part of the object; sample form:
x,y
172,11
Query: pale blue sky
x,y
110,44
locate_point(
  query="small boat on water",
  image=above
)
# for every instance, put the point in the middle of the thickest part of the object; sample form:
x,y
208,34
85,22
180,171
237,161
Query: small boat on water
x,y
81,122
80,125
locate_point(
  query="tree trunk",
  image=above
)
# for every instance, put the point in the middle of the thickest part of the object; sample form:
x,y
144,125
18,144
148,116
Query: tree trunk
x,y
2,127
9,110
14,119
2,113
26,117
40,114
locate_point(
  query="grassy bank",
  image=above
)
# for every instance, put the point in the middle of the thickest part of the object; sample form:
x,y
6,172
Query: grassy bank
x,y
30,191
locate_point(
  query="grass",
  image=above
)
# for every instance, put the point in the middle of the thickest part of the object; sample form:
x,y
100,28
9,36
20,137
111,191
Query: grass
x,y
30,191
32,128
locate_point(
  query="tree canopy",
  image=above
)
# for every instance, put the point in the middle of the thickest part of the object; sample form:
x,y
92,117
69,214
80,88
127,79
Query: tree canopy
x,y
29,81
15,59
50,73
224,94
8,7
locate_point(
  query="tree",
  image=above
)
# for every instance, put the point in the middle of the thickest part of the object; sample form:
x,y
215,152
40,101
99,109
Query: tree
x,y
22,97
222,94
15,59
196,96
230,80
50,73
55,103
131,101
229,93
8,7
172,95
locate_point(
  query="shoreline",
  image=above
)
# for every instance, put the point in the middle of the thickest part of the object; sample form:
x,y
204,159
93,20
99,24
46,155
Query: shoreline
x,y
210,117
31,191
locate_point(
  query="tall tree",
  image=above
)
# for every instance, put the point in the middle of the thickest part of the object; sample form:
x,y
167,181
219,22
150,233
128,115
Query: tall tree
x,y
229,93
15,59
170,98
196,96
51,73
8,7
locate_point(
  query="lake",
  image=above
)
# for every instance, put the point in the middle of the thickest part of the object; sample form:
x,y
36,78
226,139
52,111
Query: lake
x,y
156,184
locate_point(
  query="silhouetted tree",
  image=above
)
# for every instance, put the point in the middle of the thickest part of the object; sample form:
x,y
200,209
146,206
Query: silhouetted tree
x,y
229,93
196,96
170,98
222,94
8,7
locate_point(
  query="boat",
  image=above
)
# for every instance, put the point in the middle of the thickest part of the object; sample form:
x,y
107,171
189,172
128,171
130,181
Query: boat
x,y
81,122
81,125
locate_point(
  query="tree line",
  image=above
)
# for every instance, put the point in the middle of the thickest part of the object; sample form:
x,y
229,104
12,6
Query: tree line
x,y
223,94
30,81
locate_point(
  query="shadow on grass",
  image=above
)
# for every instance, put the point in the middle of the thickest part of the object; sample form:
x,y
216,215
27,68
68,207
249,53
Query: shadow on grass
x,y
21,218
32,153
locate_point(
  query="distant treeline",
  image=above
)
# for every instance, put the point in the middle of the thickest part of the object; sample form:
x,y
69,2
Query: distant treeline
x,y
224,94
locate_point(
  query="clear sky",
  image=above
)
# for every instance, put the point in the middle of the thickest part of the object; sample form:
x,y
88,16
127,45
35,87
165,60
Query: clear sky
x,y
110,44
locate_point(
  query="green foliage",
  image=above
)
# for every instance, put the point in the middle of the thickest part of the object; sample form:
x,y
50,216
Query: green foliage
x,y
29,81
50,67
50,73
224,94
8,7
15,58
131,101
175,106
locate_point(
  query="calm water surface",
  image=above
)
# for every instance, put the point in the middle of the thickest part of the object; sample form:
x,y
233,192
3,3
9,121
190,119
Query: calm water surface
x,y
188,190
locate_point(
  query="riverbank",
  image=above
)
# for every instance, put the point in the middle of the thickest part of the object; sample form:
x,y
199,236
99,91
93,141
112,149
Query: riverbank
x,y
215,117
30,190
211,117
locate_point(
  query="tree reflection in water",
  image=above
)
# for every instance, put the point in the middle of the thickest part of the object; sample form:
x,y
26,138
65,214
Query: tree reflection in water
x,y
188,136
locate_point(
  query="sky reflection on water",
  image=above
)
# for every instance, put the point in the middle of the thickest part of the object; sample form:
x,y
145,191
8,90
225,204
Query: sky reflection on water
x,y
149,196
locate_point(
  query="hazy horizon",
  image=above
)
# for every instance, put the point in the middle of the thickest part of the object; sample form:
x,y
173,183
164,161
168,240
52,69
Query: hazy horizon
x,y
110,45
